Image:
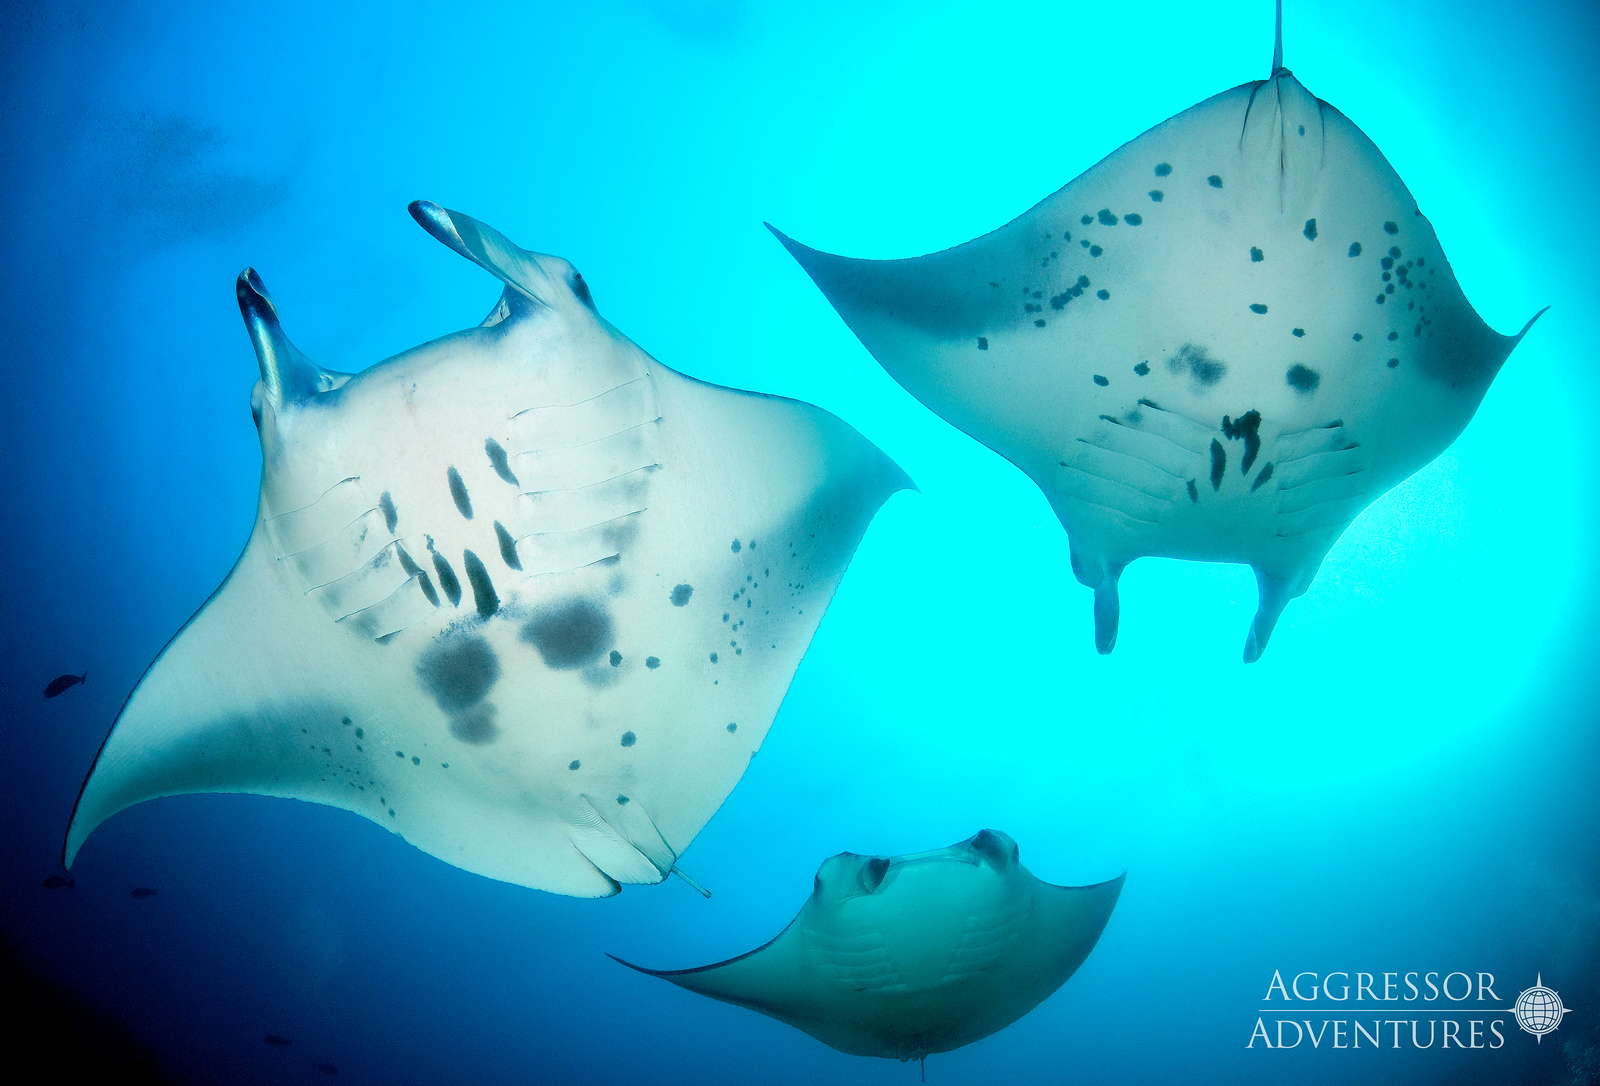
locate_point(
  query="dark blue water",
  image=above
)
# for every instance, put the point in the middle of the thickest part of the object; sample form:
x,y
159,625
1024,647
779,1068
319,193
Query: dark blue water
x,y
1405,783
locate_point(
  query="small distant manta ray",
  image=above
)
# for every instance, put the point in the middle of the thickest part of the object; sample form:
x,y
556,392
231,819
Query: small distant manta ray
x,y
1221,343
522,595
57,882
274,1039
906,956
62,683
143,891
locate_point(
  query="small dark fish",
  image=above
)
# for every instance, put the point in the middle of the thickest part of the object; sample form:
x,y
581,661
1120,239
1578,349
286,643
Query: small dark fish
x,y
143,891
56,882
274,1039
62,683
325,1068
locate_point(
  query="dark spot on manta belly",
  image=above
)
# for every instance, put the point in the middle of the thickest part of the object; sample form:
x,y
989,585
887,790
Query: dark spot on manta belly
x,y
1106,218
1214,181
508,546
1142,368
1157,195
1266,473
616,658
574,764
1219,463
1133,218
1194,492
737,547
681,594
476,725
1302,378
459,672
569,635
1257,307
497,458
1101,381
1201,366
1390,228
1247,426
652,662
1163,169
1355,248
458,493
732,728
983,343
391,516
1311,230
629,739
483,593
1256,255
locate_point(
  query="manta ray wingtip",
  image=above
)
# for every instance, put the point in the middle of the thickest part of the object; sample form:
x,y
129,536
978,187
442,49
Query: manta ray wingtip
x,y
796,250
1531,321
630,965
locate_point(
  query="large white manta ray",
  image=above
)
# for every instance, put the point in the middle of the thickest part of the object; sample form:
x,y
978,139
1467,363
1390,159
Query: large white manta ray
x,y
1220,343
522,595
905,956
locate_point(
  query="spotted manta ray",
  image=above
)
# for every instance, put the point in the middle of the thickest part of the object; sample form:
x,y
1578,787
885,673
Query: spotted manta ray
x,y
1220,343
522,595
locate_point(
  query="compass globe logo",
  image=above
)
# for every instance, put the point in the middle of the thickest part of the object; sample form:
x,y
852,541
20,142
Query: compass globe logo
x,y
1539,1010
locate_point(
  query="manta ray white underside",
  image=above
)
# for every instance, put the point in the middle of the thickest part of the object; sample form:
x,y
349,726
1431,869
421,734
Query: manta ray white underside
x,y
1220,343
522,595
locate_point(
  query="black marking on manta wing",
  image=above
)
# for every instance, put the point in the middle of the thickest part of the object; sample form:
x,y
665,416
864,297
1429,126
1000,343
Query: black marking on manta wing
x,y
1219,463
508,546
1266,473
458,492
497,458
483,593
1194,492
391,516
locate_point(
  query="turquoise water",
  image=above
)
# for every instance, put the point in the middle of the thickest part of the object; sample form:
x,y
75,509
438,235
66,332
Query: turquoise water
x,y
1405,782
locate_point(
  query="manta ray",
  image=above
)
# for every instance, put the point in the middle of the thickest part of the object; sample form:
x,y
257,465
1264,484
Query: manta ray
x,y
906,956
1220,343
522,595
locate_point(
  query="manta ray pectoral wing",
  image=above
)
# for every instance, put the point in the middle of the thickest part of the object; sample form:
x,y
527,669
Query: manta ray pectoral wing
x,y
909,313
774,979
1075,916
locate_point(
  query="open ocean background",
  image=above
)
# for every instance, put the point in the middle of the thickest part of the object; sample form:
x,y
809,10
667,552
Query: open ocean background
x,y
1407,781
